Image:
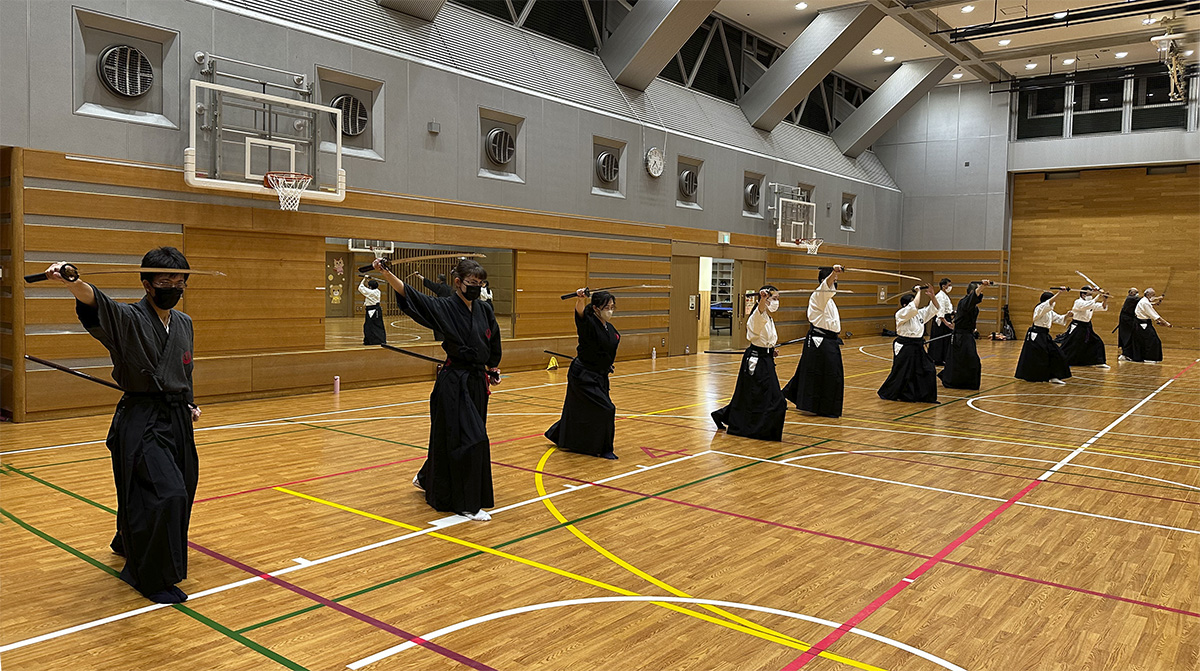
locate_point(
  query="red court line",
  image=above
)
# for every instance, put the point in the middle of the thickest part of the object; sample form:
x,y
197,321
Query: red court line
x,y
317,477
875,605
346,610
855,541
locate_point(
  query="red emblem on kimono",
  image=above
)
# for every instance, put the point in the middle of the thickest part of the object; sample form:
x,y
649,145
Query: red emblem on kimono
x,y
187,358
488,334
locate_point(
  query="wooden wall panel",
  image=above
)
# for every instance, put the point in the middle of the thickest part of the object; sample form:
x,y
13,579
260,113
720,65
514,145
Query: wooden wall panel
x,y
12,347
1122,227
541,278
962,267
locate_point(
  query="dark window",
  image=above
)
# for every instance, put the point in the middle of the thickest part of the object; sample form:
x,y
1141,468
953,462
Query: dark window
x,y
1040,113
1098,107
564,20
496,8
1152,106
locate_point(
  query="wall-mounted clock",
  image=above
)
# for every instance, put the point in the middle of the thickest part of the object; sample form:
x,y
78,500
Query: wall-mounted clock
x,y
655,162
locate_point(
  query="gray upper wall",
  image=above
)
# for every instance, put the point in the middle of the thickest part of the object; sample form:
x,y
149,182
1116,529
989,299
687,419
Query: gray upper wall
x,y
445,71
949,204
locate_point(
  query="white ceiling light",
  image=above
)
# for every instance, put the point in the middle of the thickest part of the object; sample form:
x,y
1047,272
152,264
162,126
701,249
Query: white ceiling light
x,y
956,75
1189,52
1121,54
968,9
888,59
801,5
1068,61
1149,21
1030,66
877,51
1005,43
1060,15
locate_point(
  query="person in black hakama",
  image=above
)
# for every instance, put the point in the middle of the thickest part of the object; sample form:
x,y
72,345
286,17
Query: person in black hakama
x,y
819,382
457,475
589,417
1082,346
153,450
1041,359
758,408
943,323
1126,321
913,377
963,370
1144,344
374,332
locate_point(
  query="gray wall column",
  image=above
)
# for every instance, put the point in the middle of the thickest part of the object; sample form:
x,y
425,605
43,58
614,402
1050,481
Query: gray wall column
x,y
883,109
814,54
649,37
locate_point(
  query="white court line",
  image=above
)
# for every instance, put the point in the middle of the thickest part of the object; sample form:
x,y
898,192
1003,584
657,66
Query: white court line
x,y
1067,459
383,654
442,524
873,355
984,440
967,494
982,454
971,403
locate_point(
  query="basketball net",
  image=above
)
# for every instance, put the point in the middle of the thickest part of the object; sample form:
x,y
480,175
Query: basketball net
x,y
290,186
811,244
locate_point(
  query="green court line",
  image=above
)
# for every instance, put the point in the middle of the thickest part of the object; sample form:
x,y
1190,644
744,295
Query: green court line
x,y
361,435
60,489
62,463
456,560
266,652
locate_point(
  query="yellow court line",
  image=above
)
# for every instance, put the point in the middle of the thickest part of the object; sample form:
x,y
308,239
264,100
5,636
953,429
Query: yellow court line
x,y
551,569
763,632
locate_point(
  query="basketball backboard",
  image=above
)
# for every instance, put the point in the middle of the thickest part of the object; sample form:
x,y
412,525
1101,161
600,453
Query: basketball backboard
x,y
238,135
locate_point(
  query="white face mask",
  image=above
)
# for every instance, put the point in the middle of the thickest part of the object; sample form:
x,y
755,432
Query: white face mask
x,y
773,305
606,315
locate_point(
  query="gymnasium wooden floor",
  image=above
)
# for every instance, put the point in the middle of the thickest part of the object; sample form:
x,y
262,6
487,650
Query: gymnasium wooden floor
x,y
1027,527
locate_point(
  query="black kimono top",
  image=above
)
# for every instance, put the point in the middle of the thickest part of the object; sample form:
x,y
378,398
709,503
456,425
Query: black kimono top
x,y
967,312
1128,309
469,336
598,341
439,289
145,356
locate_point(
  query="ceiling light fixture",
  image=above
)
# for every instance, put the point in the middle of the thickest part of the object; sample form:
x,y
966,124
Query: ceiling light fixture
x,y
1121,54
968,9
1068,61
1060,15
888,59
1149,21
1189,52
1005,43
1030,66
877,51
801,5
956,75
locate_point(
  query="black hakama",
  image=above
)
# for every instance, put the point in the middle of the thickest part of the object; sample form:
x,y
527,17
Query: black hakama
x,y
151,444
939,342
819,382
457,475
1126,322
374,332
963,370
1041,359
1082,346
758,408
588,422
1144,343
913,378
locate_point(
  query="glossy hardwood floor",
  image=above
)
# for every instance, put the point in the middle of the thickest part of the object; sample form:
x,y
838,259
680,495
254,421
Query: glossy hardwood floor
x,y
1025,527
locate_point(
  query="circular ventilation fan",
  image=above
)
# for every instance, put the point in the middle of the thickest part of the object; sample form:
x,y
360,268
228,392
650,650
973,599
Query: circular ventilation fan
x,y
501,146
125,71
608,167
354,114
689,181
848,213
752,194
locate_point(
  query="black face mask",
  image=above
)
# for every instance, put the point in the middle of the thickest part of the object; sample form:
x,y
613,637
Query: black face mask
x,y
165,299
471,292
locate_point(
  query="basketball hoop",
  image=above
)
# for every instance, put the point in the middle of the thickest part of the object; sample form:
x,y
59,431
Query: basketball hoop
x,y
289,185
381,252
812,244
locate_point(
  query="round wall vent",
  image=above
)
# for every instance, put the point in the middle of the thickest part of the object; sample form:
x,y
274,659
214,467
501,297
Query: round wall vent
x,y
354,114
689,181
608,167
752,194
501,146
125,71
847,212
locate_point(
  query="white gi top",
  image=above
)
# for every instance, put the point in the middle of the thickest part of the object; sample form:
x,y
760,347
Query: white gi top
x,y
1083,308
760,328
910,321
371,295
1044,315
1145,310
944,306
822,311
